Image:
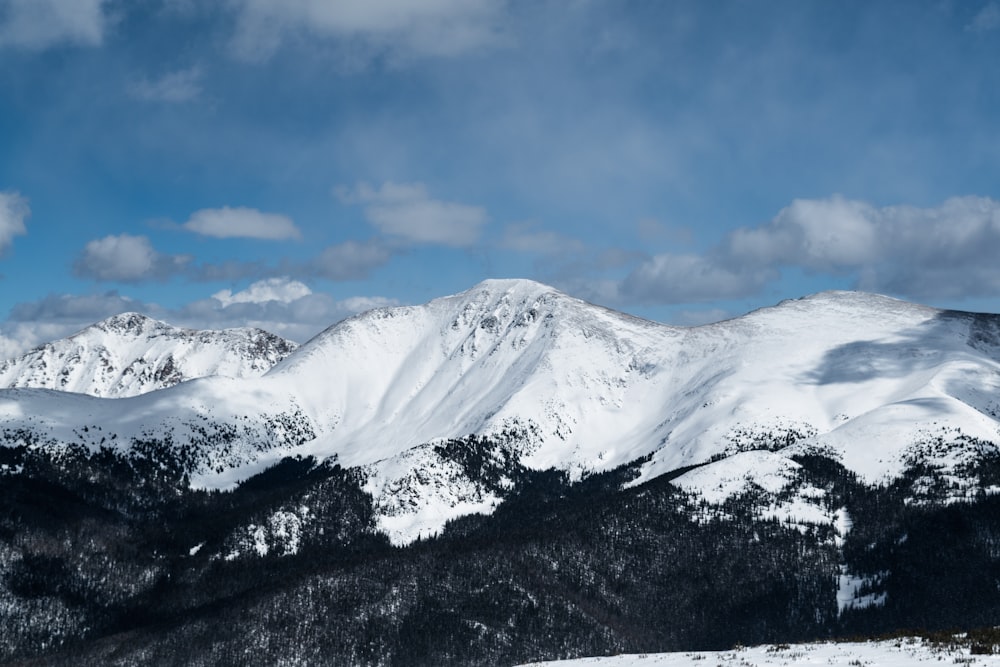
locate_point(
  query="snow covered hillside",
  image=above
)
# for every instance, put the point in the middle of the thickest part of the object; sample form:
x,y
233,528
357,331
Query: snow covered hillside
x,y
891,653
875,383
130,354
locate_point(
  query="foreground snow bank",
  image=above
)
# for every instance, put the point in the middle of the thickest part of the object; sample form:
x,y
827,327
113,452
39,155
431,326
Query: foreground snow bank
x,y
892,653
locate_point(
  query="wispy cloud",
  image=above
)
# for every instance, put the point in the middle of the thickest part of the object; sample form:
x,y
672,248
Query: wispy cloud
x,y
231,270
986,19
350,260
401,28
669,278
528,237
129,259
406,211
242,222
13,212
71,309
40,24
174,87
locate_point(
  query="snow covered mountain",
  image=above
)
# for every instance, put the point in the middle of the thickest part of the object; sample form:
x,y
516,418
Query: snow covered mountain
x,y
900,652
825,467
131,354
550,381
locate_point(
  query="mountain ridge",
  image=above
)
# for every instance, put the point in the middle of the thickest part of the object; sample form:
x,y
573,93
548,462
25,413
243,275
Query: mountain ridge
x,y
130,354
866,379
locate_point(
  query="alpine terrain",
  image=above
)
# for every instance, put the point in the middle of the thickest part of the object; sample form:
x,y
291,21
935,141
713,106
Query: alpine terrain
x,y
130,354
503,475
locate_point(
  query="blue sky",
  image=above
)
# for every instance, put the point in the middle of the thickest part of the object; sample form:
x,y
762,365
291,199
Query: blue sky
x,y
285,163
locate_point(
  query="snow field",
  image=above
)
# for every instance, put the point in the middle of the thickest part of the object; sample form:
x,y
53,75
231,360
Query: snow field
x,y
893,653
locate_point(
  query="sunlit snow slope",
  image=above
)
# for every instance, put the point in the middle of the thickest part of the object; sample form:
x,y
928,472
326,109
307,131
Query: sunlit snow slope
x,y
131,354
871,381
904,652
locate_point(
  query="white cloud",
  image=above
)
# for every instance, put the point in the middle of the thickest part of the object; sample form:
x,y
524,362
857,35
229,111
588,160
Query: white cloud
x,y
987,19
946,251
181,86
399,27
282,289
127,258
243,222
40,24
13,212
123,257
406,211
819,234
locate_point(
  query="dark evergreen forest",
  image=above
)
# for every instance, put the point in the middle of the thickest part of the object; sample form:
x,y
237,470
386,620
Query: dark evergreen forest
x,y
98,568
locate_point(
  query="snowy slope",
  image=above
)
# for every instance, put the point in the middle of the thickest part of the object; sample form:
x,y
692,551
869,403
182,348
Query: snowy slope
x,y
902,652
130,354
871,381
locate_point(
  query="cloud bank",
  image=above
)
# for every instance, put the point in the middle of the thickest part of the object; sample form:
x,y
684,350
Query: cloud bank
x,y
923,253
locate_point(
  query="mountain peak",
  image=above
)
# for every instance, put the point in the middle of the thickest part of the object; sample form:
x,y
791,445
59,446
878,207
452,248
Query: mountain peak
x,y
130,354
844,308
510,285
857,298
129,323
494,293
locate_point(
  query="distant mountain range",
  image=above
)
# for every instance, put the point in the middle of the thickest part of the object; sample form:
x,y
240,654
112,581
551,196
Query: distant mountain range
x,y
793,416
131,354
